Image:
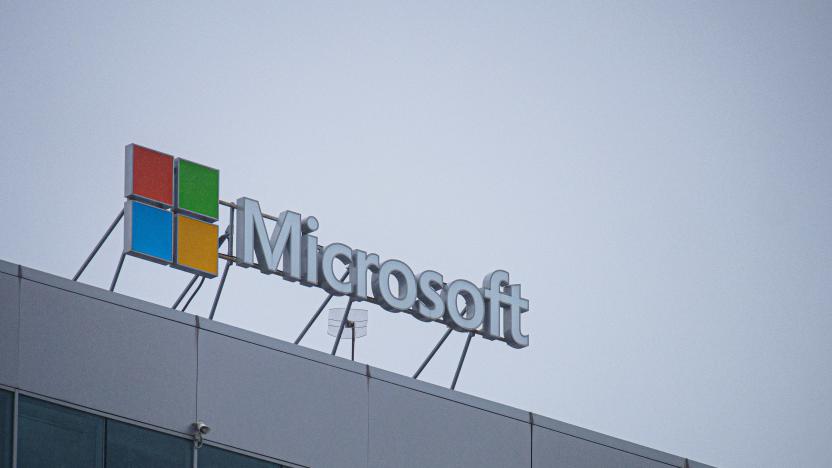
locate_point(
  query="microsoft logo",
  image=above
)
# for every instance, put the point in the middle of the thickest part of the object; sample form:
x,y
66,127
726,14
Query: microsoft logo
x,y
171,209
171,216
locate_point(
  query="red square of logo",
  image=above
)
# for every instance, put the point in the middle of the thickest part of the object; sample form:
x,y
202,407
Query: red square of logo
x,y
148,175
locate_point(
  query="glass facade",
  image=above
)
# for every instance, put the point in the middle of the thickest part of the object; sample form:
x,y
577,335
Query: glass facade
x,y
212,457
135,447
54,436
6,415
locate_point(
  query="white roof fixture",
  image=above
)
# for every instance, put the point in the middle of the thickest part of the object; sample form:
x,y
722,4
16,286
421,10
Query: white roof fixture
x,y
354,325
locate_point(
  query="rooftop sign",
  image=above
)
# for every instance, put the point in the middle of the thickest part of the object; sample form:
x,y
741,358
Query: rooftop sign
x,y
170,218
171,210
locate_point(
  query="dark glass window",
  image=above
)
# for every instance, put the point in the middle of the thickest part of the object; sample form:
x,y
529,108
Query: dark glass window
x,y
6,415
213,457
135,447
52,436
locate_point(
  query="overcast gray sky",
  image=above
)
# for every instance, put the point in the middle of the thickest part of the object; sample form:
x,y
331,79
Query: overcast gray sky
x,y
655,174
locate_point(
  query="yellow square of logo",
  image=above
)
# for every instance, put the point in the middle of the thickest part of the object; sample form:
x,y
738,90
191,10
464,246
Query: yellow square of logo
x,y
196,246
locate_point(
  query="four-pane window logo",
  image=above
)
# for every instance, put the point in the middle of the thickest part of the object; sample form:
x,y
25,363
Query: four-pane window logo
x,y
171,210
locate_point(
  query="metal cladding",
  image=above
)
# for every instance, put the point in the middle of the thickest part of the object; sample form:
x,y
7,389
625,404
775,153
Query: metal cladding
x,y
291,247
115,356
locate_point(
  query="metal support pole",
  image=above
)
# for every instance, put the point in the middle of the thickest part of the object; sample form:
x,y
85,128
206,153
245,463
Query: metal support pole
x,y
318,312
219,290
341,328
430,356
462,359
118,271
201,280
98,246
352,355
185,291
229,234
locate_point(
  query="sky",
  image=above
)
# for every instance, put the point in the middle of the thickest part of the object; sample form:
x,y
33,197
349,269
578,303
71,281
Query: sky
x,y
656,176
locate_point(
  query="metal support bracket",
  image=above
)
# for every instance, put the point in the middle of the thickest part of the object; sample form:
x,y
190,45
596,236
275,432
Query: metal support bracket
x,y
184,292
219,290
118,271
229,234
341,328
98,246
351,325
198,286
462,359
430,356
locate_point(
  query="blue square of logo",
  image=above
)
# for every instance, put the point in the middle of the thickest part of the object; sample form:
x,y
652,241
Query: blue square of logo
x,y
148,232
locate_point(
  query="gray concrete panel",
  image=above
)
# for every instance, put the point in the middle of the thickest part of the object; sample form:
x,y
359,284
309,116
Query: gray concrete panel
x,y
553,449
9,268
107,357
448,394
609,441
107,296
122,356
694,464
281,405
410,428
9,328
279,345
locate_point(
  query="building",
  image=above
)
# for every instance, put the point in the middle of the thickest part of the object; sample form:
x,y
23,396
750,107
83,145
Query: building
x,y
91,378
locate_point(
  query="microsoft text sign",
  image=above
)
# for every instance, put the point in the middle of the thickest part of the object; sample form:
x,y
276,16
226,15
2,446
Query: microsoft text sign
x,y
170,217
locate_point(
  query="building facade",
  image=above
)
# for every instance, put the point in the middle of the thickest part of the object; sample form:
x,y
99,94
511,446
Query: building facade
x,y
91,378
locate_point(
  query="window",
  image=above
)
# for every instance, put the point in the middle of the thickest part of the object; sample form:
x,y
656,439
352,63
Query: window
x,y
51,436
54,436
6,415
135,447
212,457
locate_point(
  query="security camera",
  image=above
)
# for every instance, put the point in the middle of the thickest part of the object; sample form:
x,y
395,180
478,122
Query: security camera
x,y
202,428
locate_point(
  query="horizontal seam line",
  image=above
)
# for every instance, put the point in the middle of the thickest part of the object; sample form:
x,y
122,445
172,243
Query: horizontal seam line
x,y
279,350
605,445
451,400
111,302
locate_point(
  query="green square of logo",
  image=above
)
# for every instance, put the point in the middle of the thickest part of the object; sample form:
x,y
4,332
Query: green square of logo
x,y
197,190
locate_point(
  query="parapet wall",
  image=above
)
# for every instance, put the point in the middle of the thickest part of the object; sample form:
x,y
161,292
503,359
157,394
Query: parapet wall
x,y
117,355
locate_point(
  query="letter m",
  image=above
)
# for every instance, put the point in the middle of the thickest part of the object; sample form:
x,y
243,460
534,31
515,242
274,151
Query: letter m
x,y
253,239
